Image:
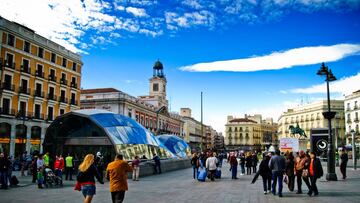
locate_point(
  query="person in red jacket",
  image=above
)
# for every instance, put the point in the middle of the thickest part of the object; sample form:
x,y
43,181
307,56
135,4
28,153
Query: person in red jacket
x,y
59,166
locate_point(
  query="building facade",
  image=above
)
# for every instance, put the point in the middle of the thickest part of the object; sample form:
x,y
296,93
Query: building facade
x,y
310,116
194,131
352,113
249,133
40,80
219,142
150,111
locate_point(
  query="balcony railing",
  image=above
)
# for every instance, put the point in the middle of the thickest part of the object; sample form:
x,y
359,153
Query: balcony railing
x,y
7,86
9,64
356,120
7,111
38,93
24,90
49,118
39,74
74,85
51,97
63,81
38,116
63,99
25,69
52,78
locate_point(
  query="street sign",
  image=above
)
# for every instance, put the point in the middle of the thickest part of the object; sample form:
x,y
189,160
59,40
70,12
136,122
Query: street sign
x,y
319,140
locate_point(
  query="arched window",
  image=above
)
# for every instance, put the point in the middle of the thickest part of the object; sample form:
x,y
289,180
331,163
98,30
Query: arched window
x,y
35,132
20,131
5,130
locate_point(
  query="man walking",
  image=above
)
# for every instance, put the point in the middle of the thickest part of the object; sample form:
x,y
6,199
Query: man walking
x,y
69,166
116,173
157,166
277,167
344,159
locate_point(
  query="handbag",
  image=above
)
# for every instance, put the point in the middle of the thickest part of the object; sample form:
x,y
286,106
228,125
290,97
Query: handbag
x,y
305,173
77,186
286,179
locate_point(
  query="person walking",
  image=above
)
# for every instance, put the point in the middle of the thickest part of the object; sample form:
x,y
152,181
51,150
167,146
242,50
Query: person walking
x,y
265,173
211,165
23,162
69,167
195,165
34,168
86,178
289,170
136,168
233,166
116,173
242,163
315,172
255,161
157,166
344,160
10,170
4,167
300,166
249,164
99,163
277,167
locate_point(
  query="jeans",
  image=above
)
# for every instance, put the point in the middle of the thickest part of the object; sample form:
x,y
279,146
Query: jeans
x,y
254,169
313,188
248,170
242,168
277,176
233,171
136,172
343,170
4,179
266,183
299,180
118,196
195,171
69,171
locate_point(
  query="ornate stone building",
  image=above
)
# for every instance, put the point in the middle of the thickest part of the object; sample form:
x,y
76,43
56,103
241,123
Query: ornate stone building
x,y
150,111
352,113
39,80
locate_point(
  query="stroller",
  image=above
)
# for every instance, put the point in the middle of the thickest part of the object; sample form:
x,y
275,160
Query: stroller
x,y
51,179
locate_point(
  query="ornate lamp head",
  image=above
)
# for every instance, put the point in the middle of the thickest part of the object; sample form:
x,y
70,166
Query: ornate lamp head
x,y
323,70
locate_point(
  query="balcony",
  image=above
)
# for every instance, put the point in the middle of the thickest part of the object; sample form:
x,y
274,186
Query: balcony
x,y
39,74
25,69
348,121
63,100
38,116
51,97
52,78
7,111
73,85
24,90
9,64
356,120
63,81
7,86
356,107
38,93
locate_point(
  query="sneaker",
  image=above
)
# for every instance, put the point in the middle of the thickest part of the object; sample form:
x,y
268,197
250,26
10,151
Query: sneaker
x,y
265,192
280,195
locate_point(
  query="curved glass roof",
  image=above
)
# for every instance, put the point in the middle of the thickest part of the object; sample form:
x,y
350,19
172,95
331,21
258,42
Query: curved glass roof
x,y
175,145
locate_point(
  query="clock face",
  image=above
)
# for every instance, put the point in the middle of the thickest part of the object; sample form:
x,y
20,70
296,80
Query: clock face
x,y
322,144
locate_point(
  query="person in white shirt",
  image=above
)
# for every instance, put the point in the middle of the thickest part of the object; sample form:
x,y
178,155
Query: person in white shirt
x,y
211,164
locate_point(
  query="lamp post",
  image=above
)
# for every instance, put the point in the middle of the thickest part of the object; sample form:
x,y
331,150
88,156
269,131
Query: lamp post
x,y
353,148
331,175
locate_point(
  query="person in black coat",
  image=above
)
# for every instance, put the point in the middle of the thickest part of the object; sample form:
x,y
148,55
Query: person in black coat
x,y
4,167
265,173
315,172
344,159
254,162
289,169
249,164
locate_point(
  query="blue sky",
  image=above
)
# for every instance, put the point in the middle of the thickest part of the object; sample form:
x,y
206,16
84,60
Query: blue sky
x,y
276,47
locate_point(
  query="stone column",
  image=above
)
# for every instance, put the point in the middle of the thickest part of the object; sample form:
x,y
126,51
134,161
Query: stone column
x,y
12,139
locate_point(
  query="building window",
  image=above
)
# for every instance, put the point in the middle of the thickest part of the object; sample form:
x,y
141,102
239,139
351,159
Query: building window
x,y
50,113
37,112
62,112
10,60
137,117
11,40
53,57
27,47
22,108
5,106
64,61
74,66
73,99
40,52
155,87
356,105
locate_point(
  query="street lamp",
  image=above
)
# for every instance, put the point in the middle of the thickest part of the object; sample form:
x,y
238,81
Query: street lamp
x,y
331,175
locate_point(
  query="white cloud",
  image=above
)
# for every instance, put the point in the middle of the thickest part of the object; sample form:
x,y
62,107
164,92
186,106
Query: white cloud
x,y
150,32
138,12
279,60
192,4
345,86
204,18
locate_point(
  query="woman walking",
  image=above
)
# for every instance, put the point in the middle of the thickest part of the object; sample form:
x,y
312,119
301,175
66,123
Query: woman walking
x,y
233,166
195,165
87,172
136,168
265,173
249,164
289,170
315,172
